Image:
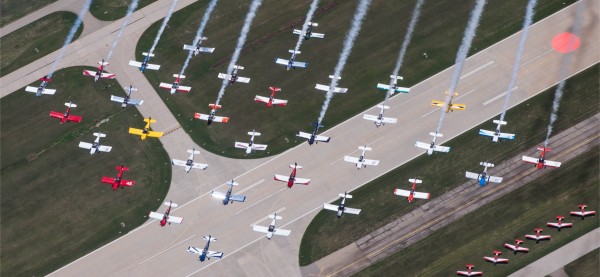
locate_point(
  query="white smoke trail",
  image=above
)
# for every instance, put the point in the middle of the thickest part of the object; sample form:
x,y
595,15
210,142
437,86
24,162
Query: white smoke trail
x,y
205,17
70,36
529,12
240,43
564,71
309,16
359,16
162,27
407,39
461,56
130,10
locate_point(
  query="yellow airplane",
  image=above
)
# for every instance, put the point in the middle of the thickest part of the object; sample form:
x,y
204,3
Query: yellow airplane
x,y
451,106
146,132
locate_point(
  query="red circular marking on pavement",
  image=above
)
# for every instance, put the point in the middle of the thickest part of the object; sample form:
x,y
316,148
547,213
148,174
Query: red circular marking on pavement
x,y
565,42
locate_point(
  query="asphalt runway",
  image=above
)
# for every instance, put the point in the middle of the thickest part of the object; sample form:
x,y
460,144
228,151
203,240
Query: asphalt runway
x,y
151,250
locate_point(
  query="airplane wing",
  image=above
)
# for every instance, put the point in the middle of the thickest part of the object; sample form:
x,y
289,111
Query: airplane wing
x,y
243,80
136,64
281,178
389,120
238,198
117,99
529,159
74,118
261,99
421,195
221,119
304,135
486,133
495,179
152,66
299,64
370,117
279,102
259,146
184,88
350,159
440,148
282,232
199,166
108,180
551,163
335,89
89,72
107,75
579,213
330,207
458,107
317,35
85,145
370,162
387,87
438,103
44,91
422,145
297,32
174,219
104,148
260,229
472,175
322,138
214,254
281,61
56,115
510,246
351,210
189,47
127,183
506,136
472,273
241,145
155,134
401,192
218,195
165,85
301,181
136,102
155,215
135,131
206,49
178,162
224,76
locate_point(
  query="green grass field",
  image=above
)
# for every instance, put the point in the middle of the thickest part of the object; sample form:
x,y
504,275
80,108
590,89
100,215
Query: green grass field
x,y
438,33
36,40
110,10
15,9
586,266
380,206
470,238
54,209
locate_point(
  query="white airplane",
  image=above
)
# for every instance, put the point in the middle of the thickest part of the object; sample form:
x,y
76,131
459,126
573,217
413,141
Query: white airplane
x,y
380,119
175,86
270,231
432,146
291,63
212,115
205,253
361,161
541,162
412,194
228,197
189,164
144,64
496,259
41,89
393,86
197,49
483,177
95,146
99,73
516,247
538,236
309,33
582,212
328,88
251,145
341,208
469,271
497,135
233,77
127,100
559,224
166,217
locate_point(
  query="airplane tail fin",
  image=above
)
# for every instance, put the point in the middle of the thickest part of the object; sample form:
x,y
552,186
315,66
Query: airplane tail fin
x,y
275,216
203,38
435,134
365,148
448,92
120,167
499,122
582,206
545,149
295,166
100,135
214,106
486,164
415,181
334,77
238,67
316,124
130,88
538,229
396,77
232,183
70,105
195,152
275,88
210,238
170,204
102,62
45,79
293,51
147,54
256,134
345,195
383,107
149,120
314,24
179,76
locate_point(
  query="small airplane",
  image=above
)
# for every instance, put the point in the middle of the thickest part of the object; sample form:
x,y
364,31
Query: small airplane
x,y
95,146
205,253
127,100
361,161
559,225
497,135
393,86
541,162
228,197
166,217
144,64
329,89
469,271
271,101
516,248
175,86
292,179
341,208
412,194
380,119
41,89
67,116
99,73
537,237
197,49
450,106
291,63
211,116
483,177
582,212
309,33
146,132
313,138
233,77
251,146
189,164
432,146
117,182
496,259
270,231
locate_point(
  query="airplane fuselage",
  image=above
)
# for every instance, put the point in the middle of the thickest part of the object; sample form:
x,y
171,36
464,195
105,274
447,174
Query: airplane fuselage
x,y
227,196
308,32
205,251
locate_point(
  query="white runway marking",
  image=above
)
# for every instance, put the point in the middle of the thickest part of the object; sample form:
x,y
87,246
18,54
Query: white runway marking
x,y
537,57
261,200
251,186
154,256
498,96
476,69
266,217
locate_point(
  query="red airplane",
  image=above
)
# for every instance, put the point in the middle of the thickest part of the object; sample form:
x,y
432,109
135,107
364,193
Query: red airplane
x,y
412,194
211,116
292,179
537,237
541,162
166,218
42,88
558,225
582,212
99,73
175,86
66,116
469,271
117,181
516,248
270,101
496,259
